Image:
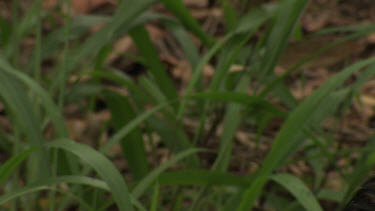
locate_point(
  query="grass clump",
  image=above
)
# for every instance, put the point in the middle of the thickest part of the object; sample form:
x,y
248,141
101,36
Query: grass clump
x,y
68,72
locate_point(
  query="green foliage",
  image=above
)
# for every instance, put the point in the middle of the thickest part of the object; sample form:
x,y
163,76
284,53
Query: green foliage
x,y
150,109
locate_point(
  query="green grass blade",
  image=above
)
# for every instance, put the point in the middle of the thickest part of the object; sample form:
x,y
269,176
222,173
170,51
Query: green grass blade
x,y
124,15
202,177
25,121
231,122
185,40
245,99
47,184
132,145
123,80
363,168
10,165
21,192
277,80
287,16
125,130
178,8
248,24
106,170
49,105
299,190
288,136
155,198
152,61
230,14
145,183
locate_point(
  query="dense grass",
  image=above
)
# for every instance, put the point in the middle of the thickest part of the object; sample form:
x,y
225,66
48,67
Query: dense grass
x,y
44,164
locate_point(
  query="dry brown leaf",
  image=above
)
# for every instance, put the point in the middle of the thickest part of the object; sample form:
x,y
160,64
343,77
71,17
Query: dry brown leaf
x,y
120,46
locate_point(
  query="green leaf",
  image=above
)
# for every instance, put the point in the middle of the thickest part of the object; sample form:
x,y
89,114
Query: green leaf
x,y
289,135
126,129
178,8
152,61
299,190
153,176
10,165
202,177
287,16
241,98
106,170
132,145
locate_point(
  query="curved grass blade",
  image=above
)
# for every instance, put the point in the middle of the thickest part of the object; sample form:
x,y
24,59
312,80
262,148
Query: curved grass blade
x,y
153,176
287,16
277,80
248,24
299,190
123,80
125,130
28,117
242,98
185,40
363,167
287,138
49,105
183,14
25,120
10,165
47,184
152,61
202,177
124,15
106,170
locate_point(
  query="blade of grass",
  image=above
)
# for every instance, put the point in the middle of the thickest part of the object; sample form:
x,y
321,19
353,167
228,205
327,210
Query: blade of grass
x,y
185,40
103,167
145,183
178,8
277,80
47,101
25,121
132,145
242,98
121,79
231,122
152,61
287,16
124,131
155,198
363,168
230,14
10,165
299,190
124,15
248,24
202,177
286,138
49,183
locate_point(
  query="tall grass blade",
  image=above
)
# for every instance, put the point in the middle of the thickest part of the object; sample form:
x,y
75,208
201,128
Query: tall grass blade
x,y
152,61
299,190
288,135
132,145
10,165
287,16
153,176
106,170
178,8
